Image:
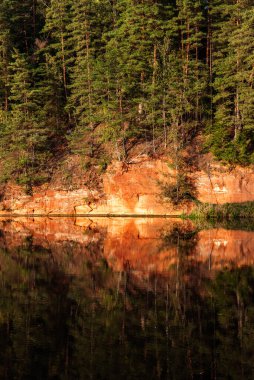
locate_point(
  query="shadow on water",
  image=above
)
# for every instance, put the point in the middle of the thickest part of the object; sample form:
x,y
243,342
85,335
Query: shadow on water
x,y
115,299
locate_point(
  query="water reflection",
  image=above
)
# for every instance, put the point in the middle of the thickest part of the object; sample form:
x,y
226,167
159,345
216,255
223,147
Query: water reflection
x,y
125,299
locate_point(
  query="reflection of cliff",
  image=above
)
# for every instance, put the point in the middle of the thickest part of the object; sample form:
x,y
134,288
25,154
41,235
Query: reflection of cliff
x,y
220,247
141,247
62,307
150,313
132,244
69,246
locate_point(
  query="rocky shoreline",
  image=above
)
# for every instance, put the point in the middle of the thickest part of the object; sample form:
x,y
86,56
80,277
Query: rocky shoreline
x,y
136,190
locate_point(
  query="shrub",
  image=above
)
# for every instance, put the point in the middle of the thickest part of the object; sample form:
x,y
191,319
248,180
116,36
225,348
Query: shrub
x,y
179,191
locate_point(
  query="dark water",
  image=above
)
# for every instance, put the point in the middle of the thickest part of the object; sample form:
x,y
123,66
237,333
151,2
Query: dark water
x,y
125,299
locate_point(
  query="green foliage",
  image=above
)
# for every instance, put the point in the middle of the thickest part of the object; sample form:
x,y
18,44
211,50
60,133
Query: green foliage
x,y
178,191
24,133
232,134
228,211
86,73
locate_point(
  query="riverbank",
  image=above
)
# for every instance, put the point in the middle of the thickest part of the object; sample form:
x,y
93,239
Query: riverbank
x,y
227,211
135,189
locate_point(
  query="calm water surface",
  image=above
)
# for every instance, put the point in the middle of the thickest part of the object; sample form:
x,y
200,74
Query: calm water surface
x,y
125,299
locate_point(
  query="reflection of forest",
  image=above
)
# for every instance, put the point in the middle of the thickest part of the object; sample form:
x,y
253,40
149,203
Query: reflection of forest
x,y
66,313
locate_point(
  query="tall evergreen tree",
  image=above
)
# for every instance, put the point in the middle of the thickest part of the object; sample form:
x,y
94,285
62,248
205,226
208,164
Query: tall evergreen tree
x,y
183,75
5,54
87,88
25,133
132,57
232,135
58,17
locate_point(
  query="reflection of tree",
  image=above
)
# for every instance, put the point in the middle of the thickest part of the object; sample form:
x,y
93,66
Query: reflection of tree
x,y
182,237
97,324
32,303
233,297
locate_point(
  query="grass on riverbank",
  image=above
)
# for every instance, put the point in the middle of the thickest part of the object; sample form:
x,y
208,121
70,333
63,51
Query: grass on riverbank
x,y
227,211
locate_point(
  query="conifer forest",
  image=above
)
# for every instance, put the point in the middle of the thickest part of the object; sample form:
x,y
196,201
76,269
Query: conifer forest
x,y
78,74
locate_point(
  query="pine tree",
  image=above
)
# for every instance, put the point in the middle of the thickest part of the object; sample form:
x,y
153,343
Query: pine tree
x,y
49,95
5,54
232,133
191,21
25,133
58,17
87,75
242,41
183,75
25,20
132,60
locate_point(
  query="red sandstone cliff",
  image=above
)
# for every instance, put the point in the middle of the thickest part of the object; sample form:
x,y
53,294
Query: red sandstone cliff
x,y
132,189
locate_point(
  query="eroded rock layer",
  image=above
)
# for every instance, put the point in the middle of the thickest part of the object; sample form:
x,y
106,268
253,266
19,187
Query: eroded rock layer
x,y
135,188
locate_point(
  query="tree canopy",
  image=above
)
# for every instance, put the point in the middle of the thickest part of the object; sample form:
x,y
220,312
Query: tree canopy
x,y
158,71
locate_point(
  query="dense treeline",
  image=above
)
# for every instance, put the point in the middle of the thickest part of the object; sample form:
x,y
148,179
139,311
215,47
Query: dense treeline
x,y
93,71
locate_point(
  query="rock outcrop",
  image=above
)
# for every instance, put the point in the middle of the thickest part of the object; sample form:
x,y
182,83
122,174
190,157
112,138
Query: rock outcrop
x,y
133,188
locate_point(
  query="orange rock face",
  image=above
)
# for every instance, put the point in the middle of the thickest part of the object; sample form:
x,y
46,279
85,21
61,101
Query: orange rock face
x,y
133,189
44,202
221,186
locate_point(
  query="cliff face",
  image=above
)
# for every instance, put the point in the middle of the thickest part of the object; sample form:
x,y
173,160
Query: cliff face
x,y
224,186
133,189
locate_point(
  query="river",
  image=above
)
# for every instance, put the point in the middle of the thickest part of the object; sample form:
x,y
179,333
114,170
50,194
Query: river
x,y
115,298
